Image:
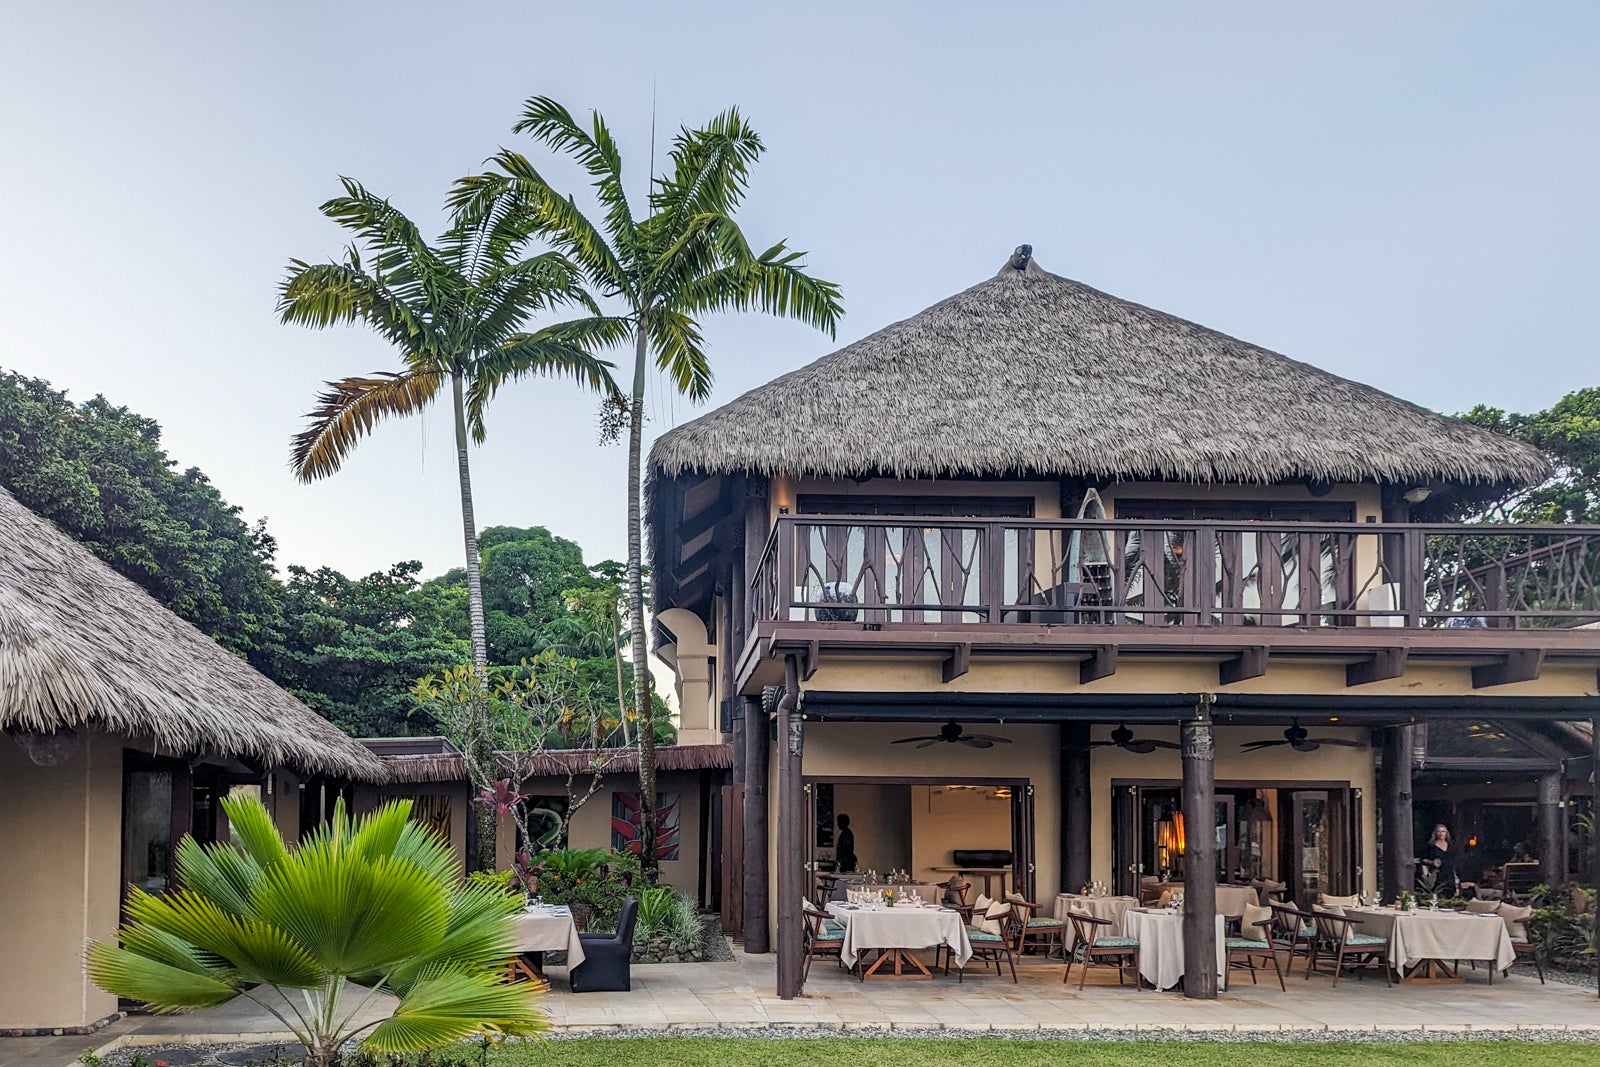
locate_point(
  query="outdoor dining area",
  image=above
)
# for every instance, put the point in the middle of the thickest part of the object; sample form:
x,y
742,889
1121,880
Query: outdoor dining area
x,y
922,931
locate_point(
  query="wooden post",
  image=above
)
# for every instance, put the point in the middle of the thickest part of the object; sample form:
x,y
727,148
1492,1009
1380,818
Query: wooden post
x,y
756,936
1399,867
1551,811
791,834
1075,814
1200,856
1594,838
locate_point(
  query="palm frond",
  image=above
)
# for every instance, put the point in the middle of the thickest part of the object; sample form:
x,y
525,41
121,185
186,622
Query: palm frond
x,y
447,1005
479,936
394,240
252,829
321,295
594,149
218,871
710,168
515,291
558,351
348,410
776,283
260,951
680,352
160,985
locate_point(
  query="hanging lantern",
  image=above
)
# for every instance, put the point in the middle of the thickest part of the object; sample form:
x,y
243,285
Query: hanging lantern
x,y
47,749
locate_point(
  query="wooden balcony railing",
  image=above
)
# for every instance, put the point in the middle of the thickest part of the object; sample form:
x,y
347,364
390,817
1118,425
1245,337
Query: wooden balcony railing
x,y
878,570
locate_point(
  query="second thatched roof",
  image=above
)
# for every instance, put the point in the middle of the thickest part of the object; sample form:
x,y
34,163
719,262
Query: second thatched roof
x,y
1031,373
83,647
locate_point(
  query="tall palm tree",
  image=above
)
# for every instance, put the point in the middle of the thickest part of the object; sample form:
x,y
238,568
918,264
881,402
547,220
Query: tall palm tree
x,y
456,311
685,258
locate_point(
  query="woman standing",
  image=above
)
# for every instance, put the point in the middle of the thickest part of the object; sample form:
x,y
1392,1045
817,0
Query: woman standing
x,y
1438,855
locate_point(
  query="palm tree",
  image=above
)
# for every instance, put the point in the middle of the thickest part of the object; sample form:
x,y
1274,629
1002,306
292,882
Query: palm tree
x,y
358,908
456,311
686,258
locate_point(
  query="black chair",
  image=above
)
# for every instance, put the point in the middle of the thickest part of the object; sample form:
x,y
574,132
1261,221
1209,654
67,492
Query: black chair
x,y
606,957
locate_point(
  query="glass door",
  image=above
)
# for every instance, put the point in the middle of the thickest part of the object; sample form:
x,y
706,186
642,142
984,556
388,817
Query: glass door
x,y
1310,855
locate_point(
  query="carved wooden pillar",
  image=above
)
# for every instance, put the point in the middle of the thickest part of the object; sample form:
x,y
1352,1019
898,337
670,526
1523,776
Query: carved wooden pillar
x,y
791,834
1200,856
1552,860
1399,869
1594,839
1075,806
756,936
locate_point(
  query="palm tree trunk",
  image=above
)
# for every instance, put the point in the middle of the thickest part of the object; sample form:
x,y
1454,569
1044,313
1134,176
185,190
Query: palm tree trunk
x,y
622,693
640,647
480,741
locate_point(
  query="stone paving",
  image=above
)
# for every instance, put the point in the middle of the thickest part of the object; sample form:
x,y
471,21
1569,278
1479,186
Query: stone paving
x,y
739,995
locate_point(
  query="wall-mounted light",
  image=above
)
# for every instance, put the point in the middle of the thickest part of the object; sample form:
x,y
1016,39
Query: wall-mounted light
x,y
1418,495
47,749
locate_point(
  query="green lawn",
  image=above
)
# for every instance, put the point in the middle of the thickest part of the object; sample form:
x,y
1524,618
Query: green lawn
x,y
886,1052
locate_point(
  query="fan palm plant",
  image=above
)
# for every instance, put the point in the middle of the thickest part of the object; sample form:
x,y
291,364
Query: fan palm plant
x,y
456,311
358,908
685,258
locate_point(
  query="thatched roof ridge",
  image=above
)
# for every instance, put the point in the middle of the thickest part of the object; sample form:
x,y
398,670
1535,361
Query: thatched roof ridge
x,y
82,646
418,768
1029,373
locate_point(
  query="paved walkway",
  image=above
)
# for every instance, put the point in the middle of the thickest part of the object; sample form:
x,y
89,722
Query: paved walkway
x,y
739,995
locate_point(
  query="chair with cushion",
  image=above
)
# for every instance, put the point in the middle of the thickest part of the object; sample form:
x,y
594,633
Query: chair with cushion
x,y
1091,948
1337,940
823,937
1339,902
1036,931
1516,920
1254,943
991,941
607,957
954,892
1294,931
1268,891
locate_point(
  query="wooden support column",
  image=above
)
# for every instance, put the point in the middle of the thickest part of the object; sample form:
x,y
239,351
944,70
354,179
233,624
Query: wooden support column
x,y
1075,827
1552,860
756,936
791,834
1398,870
1200,856
1594,839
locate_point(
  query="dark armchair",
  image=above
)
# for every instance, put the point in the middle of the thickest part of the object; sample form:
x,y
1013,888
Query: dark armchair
x,y
606,957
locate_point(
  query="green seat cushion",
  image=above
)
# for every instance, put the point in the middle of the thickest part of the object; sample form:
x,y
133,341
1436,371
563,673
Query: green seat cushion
x,y
1365,940
1116,942
975,934
1519,941
1245,942
1045,924
832,932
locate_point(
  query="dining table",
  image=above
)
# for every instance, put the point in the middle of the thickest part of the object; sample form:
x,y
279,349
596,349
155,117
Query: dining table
x,y
1111,909
1160,936
894,933
1426,945
542,928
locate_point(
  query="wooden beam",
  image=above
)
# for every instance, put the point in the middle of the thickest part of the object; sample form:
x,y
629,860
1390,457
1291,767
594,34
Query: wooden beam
x,y
791,835
707,517
757,936
1521,665
1249,663
1398,870
1101,663
811,661
958,662
1384,664
703,558
1076,821
1198,755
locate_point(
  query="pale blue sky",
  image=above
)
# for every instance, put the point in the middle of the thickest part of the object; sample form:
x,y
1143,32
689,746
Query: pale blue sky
x,y
1402,193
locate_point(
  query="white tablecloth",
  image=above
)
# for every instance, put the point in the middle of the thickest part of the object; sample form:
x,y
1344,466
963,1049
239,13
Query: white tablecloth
x,y
550,931
1231,899
1111,908
866,929
1437,935
1160,937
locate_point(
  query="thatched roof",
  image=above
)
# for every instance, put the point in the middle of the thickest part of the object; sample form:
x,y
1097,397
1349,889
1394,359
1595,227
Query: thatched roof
x,y
449,766
82,646
1029,373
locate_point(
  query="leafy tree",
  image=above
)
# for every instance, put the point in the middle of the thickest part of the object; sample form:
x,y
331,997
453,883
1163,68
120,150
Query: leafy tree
x,y
353,648
98,471
1569,434
455,310
686,257
359,907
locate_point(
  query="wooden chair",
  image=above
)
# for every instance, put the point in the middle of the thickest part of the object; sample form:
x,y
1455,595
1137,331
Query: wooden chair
x,y
1520,878
1336,939
1090,948
987,947
1293,930
1248,951
824,937
954,894
1036,930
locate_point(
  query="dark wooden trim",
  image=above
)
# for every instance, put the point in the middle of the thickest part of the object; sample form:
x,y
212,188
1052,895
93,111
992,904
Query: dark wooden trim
x,y
1100,663
1077,823
1198,756
1251,663
1396,864
957,663
1519,665
1382,665
811,660
792,834
754,906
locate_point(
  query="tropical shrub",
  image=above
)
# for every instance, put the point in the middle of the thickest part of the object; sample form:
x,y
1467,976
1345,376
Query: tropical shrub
x,y
594,877
361,906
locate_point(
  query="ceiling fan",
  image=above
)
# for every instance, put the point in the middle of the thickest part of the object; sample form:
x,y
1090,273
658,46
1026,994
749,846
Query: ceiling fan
x,y
1299,739
951,733
1123,738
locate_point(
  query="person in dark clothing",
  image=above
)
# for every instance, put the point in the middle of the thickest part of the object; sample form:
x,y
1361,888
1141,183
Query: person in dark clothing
x,y
1439,855
845,845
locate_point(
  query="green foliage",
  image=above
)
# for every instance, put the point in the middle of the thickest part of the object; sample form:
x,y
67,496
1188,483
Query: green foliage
x,y
594,876
98,471
1569,435
668,915
376,902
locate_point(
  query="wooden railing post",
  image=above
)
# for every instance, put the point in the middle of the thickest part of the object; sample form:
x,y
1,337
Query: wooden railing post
x,y
1412,582
785,551
992,592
